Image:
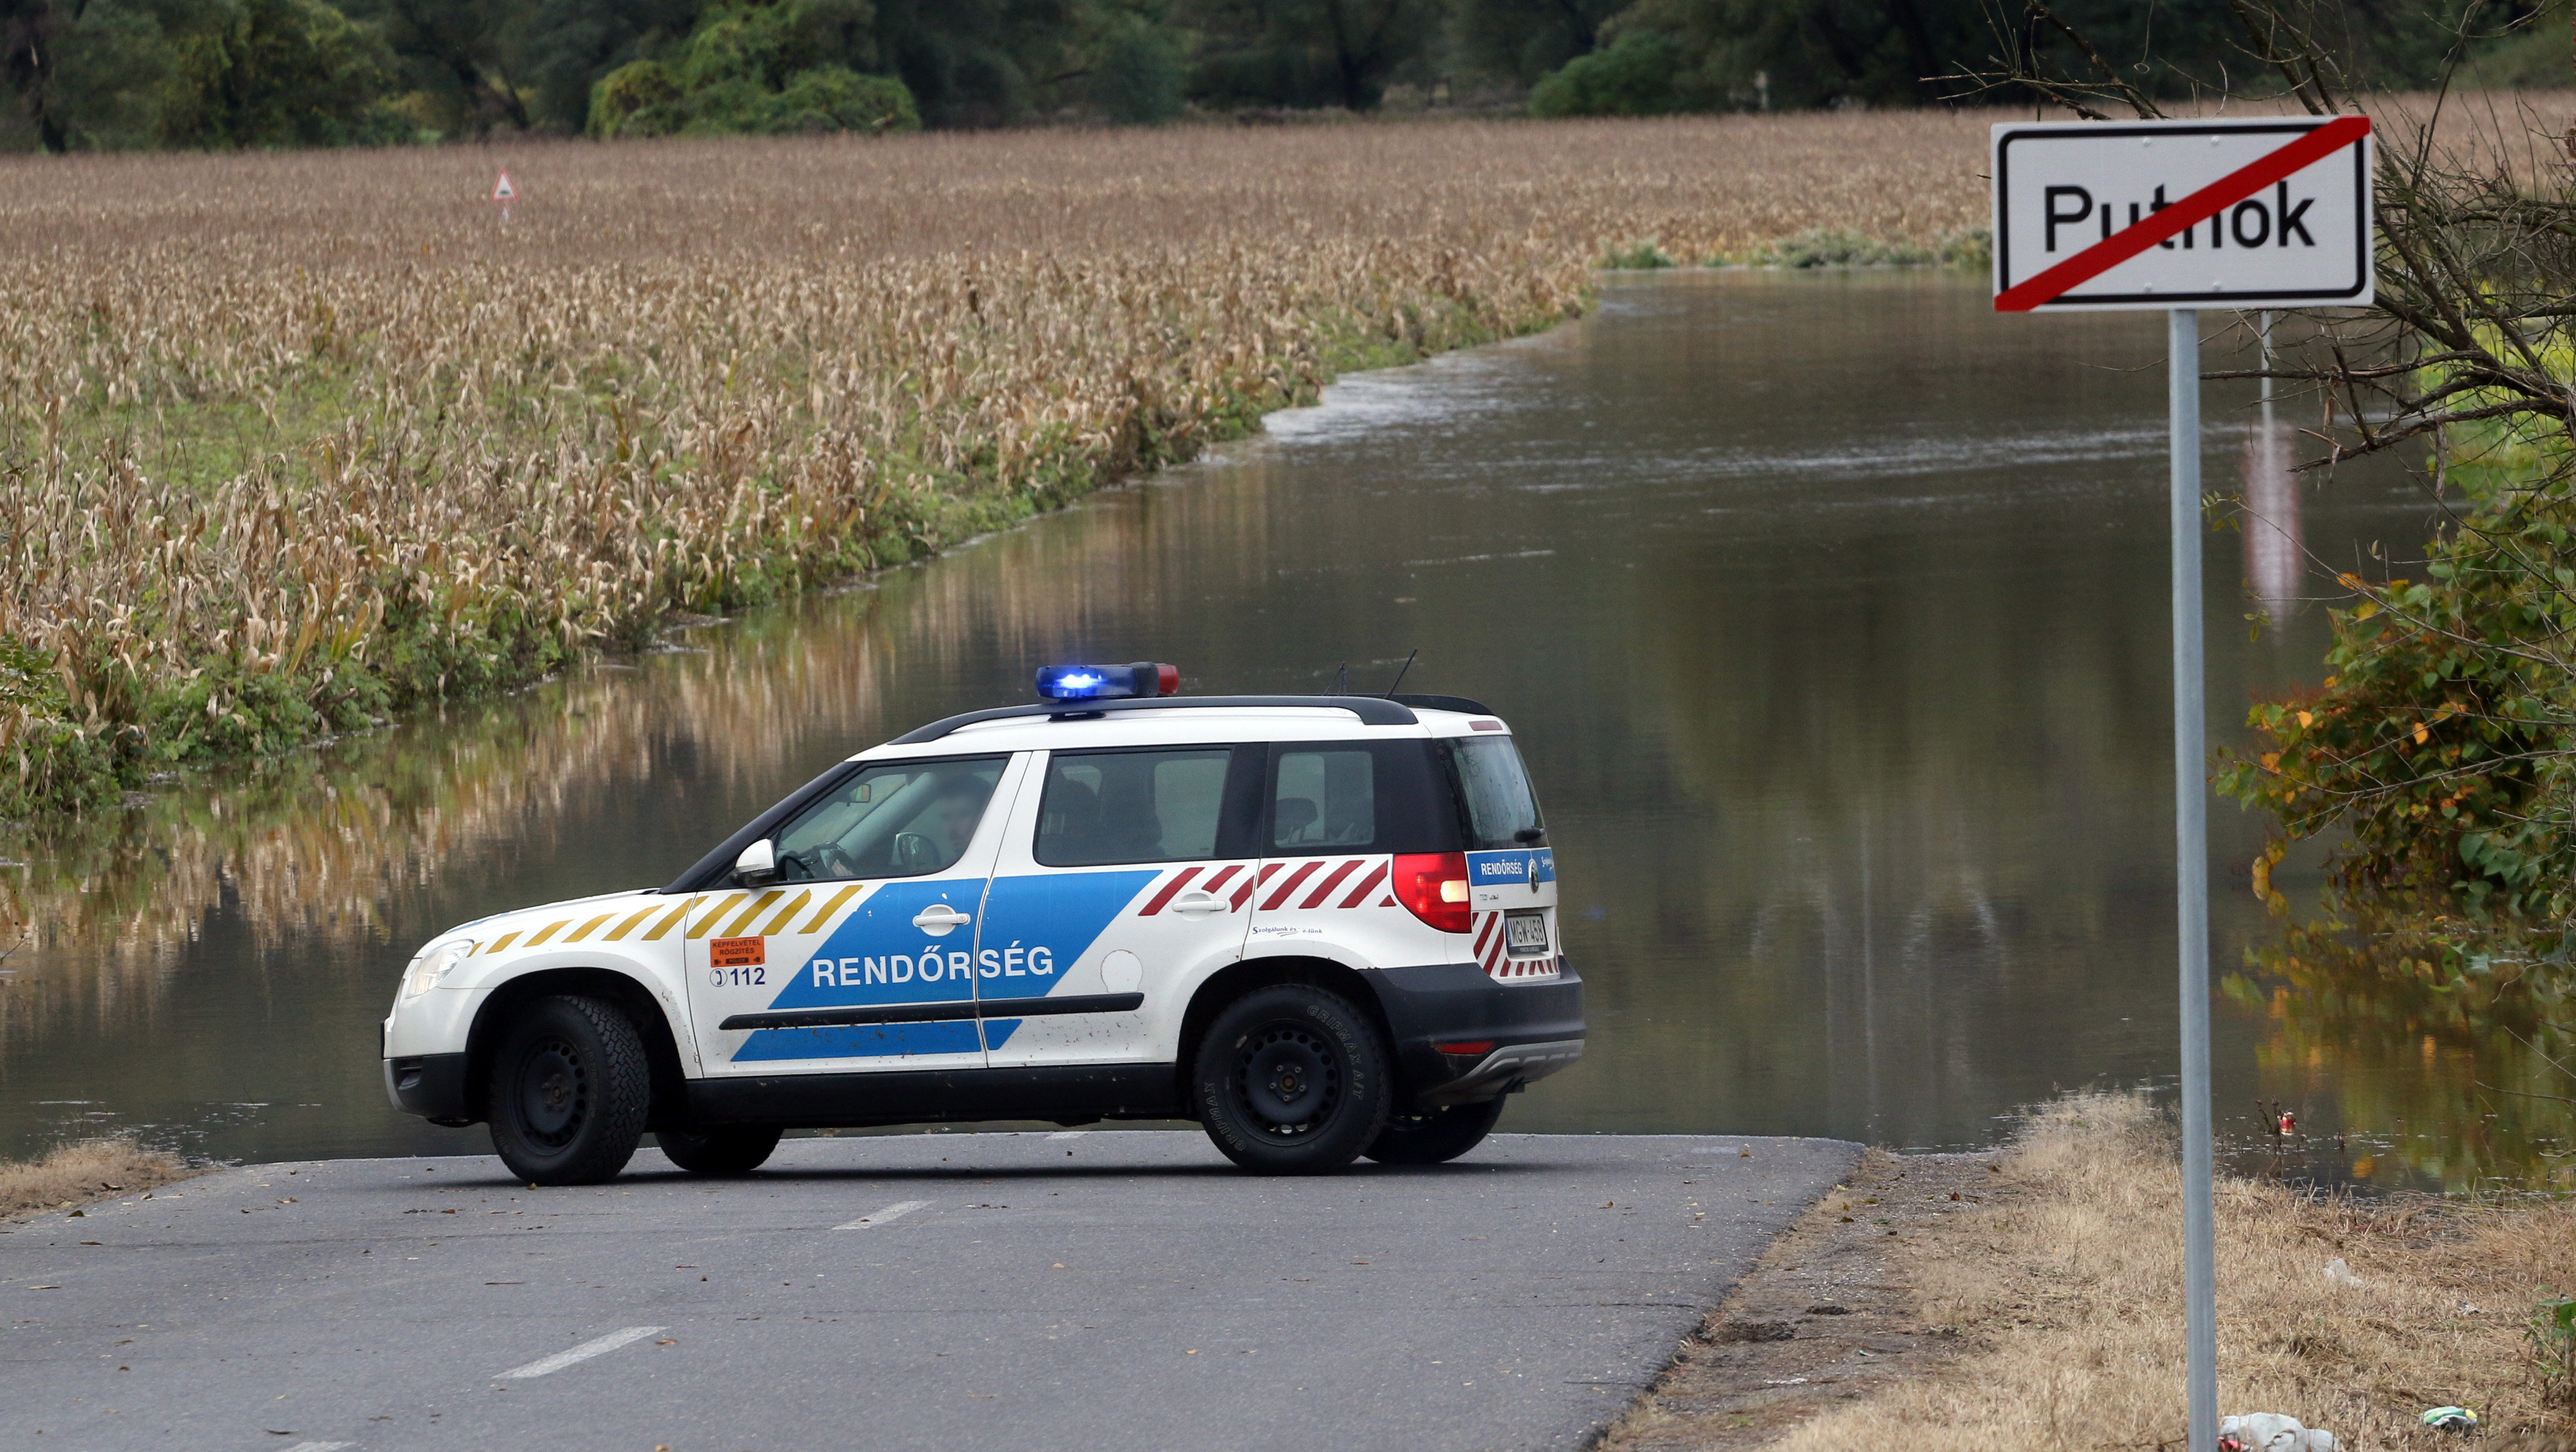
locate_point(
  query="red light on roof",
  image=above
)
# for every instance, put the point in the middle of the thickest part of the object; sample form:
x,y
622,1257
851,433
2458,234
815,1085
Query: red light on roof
x,y
1484,725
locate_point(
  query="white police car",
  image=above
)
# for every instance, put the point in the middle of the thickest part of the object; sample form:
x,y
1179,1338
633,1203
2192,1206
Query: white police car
x,y
1322,926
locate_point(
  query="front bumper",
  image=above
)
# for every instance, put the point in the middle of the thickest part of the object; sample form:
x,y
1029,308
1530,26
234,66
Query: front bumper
x,y
1534,1030
431,1086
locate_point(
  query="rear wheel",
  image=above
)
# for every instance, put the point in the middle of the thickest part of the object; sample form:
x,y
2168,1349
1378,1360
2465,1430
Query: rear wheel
x,y
1291,1080
721,1149
568,1091
1434,1136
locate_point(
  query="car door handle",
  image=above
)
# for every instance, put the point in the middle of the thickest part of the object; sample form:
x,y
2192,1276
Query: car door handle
x,y
939,917
1198,902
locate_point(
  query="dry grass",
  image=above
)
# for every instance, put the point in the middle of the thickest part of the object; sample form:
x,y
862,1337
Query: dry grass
x,y
80,1174
2066,1293
290,441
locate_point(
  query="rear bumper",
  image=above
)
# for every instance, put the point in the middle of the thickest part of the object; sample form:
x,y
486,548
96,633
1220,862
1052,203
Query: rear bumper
x,y
1532,1030
429,1085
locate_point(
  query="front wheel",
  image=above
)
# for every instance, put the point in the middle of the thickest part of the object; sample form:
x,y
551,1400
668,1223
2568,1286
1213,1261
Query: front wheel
x,y
568,1092
1291,1080
1435,1136
721,1149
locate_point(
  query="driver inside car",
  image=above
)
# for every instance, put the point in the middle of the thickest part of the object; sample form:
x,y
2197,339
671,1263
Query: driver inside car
x,y
888,824
954,813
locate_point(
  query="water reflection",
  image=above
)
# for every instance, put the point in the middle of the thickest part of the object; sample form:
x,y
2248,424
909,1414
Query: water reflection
x,y
1831,612
2276,559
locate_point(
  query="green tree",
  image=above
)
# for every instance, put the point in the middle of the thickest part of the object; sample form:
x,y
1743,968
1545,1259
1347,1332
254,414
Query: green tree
x,y
1634,77
461,59
980,62
572,44
1309,52
759,68
84,76
1137,79
276,73
1520,41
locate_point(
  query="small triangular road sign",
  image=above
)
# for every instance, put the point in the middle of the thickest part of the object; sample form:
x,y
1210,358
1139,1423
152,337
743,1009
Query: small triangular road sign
x,y
502,191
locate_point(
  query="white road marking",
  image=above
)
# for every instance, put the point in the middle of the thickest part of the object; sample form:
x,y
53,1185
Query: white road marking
x,y
893,1211
320,1446
548,1365
1070,1134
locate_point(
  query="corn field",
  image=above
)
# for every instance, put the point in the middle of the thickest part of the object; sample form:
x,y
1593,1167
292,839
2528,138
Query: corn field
x,y
295,442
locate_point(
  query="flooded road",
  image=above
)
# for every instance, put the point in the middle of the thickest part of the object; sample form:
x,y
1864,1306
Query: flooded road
x,y
1830,611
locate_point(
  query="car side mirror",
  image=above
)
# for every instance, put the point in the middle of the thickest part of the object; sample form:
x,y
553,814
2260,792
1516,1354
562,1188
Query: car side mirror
x,y
758,864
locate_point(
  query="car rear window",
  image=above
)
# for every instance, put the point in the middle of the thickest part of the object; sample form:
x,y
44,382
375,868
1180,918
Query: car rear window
x,y
1355,796
1499,809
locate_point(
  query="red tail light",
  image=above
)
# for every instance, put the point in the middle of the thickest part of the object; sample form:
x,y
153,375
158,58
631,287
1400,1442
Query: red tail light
x,y
1434,886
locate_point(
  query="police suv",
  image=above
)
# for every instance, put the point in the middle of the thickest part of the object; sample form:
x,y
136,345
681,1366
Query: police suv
x,y
1322,926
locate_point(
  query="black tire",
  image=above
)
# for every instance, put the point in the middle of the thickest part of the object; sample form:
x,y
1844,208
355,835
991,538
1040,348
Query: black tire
x,y
568,1091
1434,1136
718,1149
1291,1080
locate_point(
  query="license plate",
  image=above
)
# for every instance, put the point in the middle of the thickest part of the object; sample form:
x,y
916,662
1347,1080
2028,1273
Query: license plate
x,y
1525,934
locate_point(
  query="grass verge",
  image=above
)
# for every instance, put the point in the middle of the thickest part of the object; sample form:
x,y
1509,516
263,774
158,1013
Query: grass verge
x,y
74,1175
2043,1307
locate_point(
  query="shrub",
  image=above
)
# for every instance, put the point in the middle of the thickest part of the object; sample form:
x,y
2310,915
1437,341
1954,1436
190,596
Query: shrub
x,y
1634,77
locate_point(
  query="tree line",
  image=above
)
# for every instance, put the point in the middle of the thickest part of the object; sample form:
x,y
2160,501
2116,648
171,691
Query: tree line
x,y
122,74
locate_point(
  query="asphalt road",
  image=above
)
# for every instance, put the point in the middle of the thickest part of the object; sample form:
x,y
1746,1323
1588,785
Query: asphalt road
x,y
1102,1291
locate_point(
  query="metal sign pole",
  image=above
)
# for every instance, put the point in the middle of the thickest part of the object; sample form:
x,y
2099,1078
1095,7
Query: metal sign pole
x,y
2297,214
2191,870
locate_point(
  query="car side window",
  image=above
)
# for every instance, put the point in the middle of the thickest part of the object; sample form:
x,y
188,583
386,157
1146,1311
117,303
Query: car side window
x,y
903,819
1111,807
1324,798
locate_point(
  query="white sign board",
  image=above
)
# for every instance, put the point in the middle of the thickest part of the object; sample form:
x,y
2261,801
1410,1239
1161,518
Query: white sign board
x,y
2264,213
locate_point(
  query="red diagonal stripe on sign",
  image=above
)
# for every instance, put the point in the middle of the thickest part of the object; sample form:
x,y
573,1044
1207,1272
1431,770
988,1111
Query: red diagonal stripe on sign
x,y
2183,215
1170,890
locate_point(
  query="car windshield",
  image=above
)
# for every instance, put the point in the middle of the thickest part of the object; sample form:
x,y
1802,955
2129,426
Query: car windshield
x,y
903,819
1501,810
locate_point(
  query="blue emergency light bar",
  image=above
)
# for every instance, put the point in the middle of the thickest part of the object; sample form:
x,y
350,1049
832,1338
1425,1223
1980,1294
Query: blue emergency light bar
x,y
1108,683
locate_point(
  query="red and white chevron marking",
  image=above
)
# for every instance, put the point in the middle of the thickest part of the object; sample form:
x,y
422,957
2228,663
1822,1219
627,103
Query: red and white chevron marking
x,y
1499,963
1316,882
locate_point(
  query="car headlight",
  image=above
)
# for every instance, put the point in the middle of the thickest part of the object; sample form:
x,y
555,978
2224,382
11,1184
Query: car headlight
x,y
432,965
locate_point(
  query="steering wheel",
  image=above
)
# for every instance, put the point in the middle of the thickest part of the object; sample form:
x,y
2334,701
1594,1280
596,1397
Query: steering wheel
x,y
822,860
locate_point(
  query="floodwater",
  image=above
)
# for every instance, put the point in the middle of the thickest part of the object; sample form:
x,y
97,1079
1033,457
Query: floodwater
x,y
1830,612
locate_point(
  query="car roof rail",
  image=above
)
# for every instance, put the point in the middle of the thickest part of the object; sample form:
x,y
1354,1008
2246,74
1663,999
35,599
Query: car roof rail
x,y
1372,711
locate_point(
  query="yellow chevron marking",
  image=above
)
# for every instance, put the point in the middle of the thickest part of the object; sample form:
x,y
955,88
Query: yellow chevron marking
x,y
588,928
795,906
503,941
548,931
830,906
734,929
707,924
628,926
673,921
